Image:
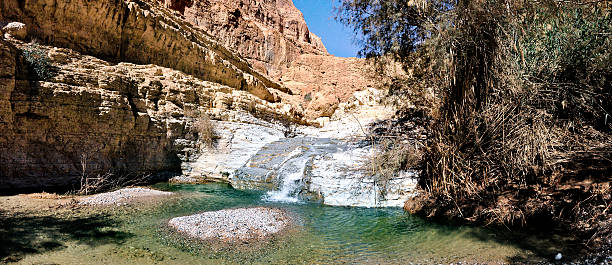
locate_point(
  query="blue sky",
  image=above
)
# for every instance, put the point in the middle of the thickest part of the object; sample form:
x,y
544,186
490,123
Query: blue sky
x,y
319,15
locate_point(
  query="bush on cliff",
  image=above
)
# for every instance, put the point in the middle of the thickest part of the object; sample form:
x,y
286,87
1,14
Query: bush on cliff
x,y
37,61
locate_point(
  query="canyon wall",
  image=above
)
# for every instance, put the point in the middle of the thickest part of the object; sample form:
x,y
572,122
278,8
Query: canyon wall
x,y
125,82
268,33
137,32
273,36
120,118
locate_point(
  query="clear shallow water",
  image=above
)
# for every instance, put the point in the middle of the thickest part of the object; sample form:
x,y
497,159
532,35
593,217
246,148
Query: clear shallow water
x,y
325,235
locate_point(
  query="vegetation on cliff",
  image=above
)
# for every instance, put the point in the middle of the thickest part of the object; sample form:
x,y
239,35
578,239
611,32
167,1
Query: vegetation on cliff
x,y
519,122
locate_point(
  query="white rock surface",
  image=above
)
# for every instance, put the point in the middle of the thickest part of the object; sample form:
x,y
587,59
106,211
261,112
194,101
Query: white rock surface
x,y
331,165
343,179
238,142
16,30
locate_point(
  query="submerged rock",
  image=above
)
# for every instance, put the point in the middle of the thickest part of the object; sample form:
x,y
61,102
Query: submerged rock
x,y
233,224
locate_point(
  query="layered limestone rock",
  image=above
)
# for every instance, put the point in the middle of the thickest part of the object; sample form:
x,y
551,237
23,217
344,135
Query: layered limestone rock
x,y
140,32
268,33
273,36
91,117
331,164
133,84
320,83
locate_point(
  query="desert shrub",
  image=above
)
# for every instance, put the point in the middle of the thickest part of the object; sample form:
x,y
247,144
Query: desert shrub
x,y
37,61
103,182
205,129
308,97
564,51
519,87
392,156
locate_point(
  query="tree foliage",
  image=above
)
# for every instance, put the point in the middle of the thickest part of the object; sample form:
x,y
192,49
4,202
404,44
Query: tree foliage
x,y
522,93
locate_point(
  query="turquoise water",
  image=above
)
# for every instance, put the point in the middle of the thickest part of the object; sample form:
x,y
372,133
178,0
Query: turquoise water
x,y
324,235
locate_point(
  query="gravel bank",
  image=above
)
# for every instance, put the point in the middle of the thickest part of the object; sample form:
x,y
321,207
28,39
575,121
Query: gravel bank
x,y
122,196
190,180
233,224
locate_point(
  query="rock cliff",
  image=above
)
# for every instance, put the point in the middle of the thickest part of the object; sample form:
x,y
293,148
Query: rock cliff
x,y
128,118
268,33
120,86
273,36
139,32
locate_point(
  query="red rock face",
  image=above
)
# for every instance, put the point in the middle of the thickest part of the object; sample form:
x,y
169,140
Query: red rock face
x,y
179,5
268,33
273,37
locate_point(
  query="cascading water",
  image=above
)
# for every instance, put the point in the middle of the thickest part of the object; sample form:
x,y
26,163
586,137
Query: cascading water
x,y
320,169
291,174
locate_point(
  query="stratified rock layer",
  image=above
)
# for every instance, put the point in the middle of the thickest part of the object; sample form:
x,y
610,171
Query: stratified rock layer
x,y
322,82
273,36
124,92
139,32
135,119
268,33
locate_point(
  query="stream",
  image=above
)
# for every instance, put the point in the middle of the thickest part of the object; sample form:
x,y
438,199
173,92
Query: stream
x,y
324,235
342,214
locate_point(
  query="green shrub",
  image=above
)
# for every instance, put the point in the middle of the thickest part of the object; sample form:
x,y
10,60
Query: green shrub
x,y
308,97
38,61
523,98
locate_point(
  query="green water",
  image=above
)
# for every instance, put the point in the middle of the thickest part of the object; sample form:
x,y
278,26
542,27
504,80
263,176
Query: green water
x,y
324,235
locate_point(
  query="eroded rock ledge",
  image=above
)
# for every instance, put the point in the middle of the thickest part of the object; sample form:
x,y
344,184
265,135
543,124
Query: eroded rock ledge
x,y
141,32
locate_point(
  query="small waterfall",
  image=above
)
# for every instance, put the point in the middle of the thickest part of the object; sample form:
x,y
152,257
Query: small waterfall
x,y
321,169
291,173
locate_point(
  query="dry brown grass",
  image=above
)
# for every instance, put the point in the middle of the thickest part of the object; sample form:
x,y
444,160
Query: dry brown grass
x,y
506,148
205,129
97,183
202,125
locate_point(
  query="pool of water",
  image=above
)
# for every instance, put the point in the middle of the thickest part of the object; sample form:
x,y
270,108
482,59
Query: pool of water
x,y
324,235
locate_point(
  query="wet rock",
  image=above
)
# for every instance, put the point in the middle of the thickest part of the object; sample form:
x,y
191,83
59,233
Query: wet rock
x,y
236,143
342,178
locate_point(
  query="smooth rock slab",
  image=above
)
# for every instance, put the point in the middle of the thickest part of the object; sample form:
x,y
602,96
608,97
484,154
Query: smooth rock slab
x,y
232,224
122,196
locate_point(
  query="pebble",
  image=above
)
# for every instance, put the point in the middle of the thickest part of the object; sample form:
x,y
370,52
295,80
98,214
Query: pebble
x,y
121,197
231,225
